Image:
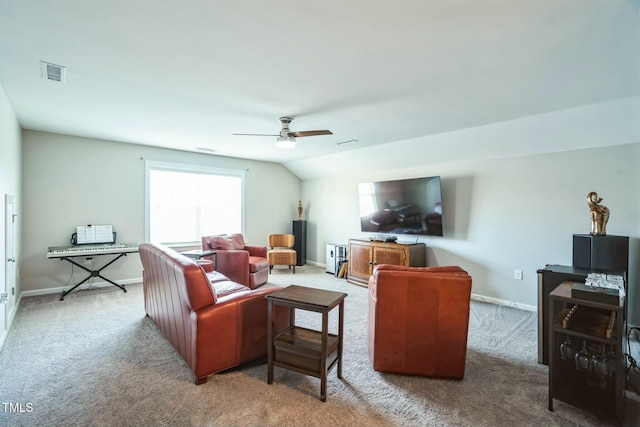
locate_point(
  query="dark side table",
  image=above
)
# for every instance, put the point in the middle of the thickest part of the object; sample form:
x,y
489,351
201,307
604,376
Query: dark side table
x,y
201,253
303,350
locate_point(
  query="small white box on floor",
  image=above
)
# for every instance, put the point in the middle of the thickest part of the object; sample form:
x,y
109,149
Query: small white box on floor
x,y
336,255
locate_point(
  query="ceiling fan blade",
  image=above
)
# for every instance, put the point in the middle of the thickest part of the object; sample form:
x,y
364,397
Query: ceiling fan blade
x,y
253,134
300,134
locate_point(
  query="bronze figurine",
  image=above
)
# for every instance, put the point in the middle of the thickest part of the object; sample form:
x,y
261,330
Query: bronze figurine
x,y
599,214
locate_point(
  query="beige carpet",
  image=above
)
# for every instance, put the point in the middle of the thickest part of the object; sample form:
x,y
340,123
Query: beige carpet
x,y
96,360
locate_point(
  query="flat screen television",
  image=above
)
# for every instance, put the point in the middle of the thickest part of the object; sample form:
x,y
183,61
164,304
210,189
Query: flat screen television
x,y
405,206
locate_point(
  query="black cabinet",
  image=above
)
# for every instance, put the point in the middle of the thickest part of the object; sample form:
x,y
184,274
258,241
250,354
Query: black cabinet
x,y
300,233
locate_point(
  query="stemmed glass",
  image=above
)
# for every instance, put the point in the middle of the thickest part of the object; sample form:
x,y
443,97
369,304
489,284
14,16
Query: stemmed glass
x,y
598,370
567,350
610,362
583,358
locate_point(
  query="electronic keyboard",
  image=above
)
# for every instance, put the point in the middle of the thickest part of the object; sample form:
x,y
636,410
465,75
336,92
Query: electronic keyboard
x,y
88,250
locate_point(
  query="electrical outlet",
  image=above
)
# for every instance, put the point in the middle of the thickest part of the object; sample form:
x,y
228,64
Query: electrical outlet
x,y
88,261
517,274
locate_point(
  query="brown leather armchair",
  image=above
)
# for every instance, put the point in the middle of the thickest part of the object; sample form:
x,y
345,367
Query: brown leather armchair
x,y
242,263
418,320
212,322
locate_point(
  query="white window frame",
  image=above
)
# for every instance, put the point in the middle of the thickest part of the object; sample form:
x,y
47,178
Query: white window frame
x,y
196,169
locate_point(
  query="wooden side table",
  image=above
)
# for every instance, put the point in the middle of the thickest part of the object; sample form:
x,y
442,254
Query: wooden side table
x,y
304,350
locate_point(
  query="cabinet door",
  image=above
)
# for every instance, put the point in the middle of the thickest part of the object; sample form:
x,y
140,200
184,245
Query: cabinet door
x,y
386,255
360,261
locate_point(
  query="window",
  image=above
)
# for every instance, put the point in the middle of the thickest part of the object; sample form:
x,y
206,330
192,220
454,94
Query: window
x,y
184,202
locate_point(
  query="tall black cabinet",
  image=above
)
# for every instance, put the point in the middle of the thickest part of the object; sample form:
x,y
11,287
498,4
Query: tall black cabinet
x,y
300,233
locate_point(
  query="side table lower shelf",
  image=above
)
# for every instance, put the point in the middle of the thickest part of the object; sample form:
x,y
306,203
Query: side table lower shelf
x,y
300,349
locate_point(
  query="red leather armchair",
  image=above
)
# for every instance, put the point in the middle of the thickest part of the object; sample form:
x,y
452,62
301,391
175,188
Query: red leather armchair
x,y
212,322
242,263
418,320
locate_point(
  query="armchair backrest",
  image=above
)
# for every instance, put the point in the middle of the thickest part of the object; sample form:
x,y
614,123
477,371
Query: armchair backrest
x,y
281,240
224,242
430,307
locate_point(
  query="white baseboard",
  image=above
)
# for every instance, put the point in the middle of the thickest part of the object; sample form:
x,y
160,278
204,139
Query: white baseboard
x,y
317,264
57,290
498,301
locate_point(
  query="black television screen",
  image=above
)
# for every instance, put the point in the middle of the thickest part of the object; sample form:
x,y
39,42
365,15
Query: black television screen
x,y
406,206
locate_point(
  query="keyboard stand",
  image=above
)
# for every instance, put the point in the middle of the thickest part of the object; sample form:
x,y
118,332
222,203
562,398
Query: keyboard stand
x,y
92,273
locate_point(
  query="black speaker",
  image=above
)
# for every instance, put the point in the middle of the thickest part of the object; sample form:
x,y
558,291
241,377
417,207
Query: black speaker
x,y
300,244
601,253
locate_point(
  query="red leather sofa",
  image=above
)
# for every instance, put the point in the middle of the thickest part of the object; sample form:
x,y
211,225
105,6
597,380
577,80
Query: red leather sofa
x,y
213,322
418,320
242,263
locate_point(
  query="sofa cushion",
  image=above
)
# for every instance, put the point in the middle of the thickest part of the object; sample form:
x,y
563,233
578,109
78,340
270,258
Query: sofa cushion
x,y
257,263
221,285
227,287
215,276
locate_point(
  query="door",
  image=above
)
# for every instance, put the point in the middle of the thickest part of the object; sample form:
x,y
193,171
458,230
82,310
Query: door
x,y
6,310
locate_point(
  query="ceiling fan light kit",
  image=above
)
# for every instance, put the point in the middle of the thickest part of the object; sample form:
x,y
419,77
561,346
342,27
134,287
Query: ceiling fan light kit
x,y
286,142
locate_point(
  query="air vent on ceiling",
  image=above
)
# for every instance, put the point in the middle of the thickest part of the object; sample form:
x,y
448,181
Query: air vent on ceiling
x,y
347,141
53,72
208,150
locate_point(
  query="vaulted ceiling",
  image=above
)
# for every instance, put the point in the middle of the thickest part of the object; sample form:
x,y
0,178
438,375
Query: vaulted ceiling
x,y
190,74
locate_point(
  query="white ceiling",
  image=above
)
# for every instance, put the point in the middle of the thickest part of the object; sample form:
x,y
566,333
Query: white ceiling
x,y
189,74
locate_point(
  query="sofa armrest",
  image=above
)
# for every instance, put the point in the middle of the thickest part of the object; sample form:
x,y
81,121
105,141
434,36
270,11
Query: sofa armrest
x,y
206,264
260,251
244,316
232,256
234,264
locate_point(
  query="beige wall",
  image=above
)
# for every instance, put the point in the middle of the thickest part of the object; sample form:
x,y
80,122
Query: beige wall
x,y
70,181
502,214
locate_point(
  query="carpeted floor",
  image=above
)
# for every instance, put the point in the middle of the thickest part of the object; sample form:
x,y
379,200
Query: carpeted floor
x,y
96,360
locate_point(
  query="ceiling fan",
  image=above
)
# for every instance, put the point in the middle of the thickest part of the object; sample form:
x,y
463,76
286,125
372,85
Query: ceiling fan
x,y
287,138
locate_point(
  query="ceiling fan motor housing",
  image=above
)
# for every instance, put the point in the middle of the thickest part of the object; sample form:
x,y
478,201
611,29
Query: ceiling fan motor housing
x,y
285,126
